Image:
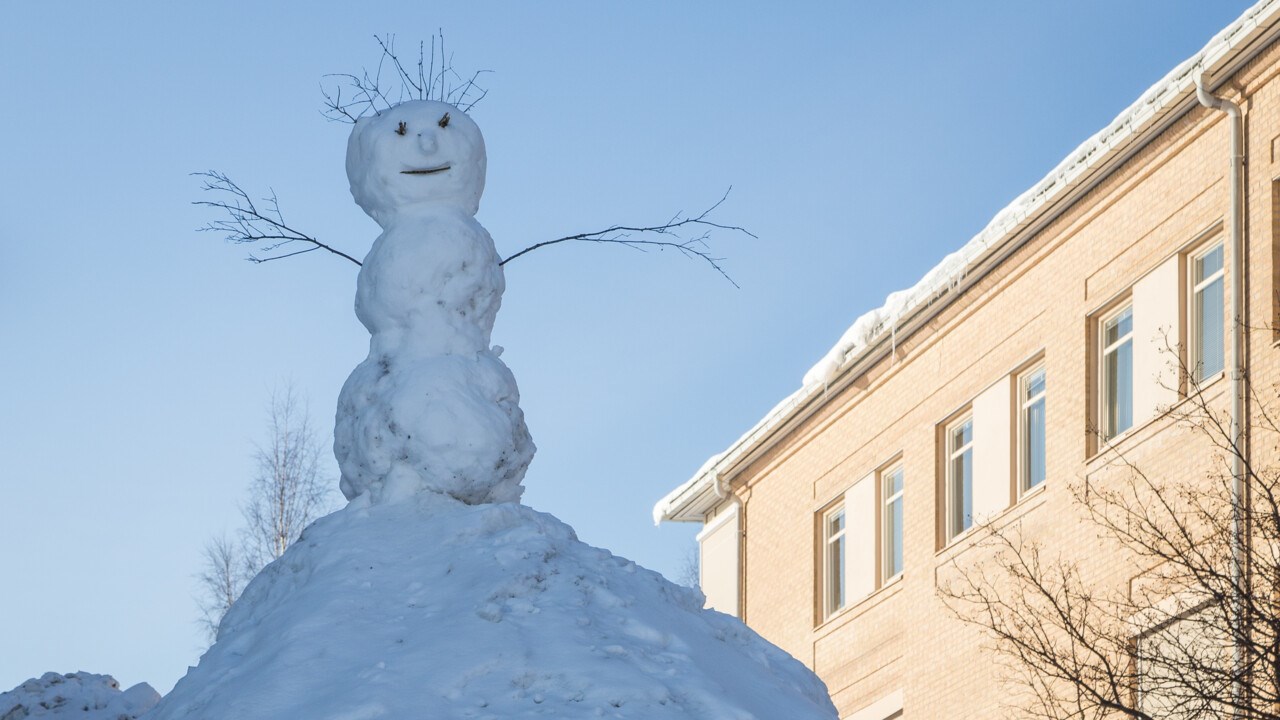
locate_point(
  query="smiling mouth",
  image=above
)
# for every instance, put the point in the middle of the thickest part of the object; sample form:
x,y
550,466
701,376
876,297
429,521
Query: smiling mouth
x,y
428,171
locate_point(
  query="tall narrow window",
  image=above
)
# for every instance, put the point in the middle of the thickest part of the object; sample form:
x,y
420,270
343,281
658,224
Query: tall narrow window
x,y
959,477
1117,372
1031,467
1206,313
891,489
834,560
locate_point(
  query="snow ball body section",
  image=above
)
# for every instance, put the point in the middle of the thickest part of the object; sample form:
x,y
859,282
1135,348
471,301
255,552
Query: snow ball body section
x,y
76,696
431,608
432,407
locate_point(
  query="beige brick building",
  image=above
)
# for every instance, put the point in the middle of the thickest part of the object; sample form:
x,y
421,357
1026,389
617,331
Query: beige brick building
x,y
980,395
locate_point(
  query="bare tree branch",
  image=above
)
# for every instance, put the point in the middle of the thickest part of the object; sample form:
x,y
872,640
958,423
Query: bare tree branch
x,y
220,582
245,224
695,247
368,91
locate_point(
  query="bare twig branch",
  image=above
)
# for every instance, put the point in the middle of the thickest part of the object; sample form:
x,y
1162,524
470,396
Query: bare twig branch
x,y
695,247
245,224
368,91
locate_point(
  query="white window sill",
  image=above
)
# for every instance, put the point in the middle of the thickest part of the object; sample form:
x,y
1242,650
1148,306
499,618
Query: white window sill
x,y
850,611
1208,385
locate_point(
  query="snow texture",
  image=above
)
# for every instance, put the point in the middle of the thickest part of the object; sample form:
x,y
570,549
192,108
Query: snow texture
x,y
432,407
76,696
868,329
431,608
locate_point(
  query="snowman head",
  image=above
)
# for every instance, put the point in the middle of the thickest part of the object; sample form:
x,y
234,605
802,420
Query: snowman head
x,y
420,152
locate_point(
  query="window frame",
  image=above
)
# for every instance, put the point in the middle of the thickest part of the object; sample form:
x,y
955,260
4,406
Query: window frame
x,y
829,605
1104,349
886,500
1023,433
1195,332
949,476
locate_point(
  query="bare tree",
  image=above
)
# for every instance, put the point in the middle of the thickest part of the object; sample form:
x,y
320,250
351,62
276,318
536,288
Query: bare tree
x,y
261,224
288,491
689,573
1194,633
221,581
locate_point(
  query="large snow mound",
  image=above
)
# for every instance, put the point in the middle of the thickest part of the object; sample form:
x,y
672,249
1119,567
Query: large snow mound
x,y
430,608
76,696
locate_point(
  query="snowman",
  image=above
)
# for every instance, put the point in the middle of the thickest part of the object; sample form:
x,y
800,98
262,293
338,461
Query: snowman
x,y
432,408
434,592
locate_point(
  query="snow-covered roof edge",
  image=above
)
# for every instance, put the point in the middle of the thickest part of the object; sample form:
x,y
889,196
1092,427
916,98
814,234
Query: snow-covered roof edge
x,y
872,326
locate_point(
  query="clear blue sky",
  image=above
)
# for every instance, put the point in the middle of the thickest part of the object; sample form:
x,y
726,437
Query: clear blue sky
x,y
863,143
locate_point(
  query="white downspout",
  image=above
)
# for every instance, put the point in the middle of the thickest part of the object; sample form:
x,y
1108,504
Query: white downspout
x,y
1236,224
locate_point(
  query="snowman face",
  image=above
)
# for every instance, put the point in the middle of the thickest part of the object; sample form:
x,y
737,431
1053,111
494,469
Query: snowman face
x,y
418,152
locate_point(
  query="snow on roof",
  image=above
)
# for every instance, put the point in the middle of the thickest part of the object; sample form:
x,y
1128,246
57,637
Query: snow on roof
x,y
872,326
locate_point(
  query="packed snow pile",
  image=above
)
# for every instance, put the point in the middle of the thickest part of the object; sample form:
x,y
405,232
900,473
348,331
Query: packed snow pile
x,y
76,696
431,608
434,594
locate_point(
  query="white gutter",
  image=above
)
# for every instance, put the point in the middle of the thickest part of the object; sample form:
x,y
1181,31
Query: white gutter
x,y
1236,224
1155,110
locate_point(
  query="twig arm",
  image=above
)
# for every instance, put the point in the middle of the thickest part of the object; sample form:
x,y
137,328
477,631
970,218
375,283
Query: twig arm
x,y
245,224
694,247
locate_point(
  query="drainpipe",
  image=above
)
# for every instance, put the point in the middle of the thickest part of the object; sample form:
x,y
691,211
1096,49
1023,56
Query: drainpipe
x,y
1237,373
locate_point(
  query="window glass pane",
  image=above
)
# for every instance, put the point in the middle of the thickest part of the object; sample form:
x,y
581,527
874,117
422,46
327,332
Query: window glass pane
x,y
1035,384
1209,329
1034,450
1208,264
962,492
1119,389
962,435
835,573
1118,326
894,537
893,483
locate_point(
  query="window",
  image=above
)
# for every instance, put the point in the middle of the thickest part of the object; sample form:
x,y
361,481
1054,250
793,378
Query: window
x,y
1117,372
833,559
959,476
1031,391
1206,313
891,523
